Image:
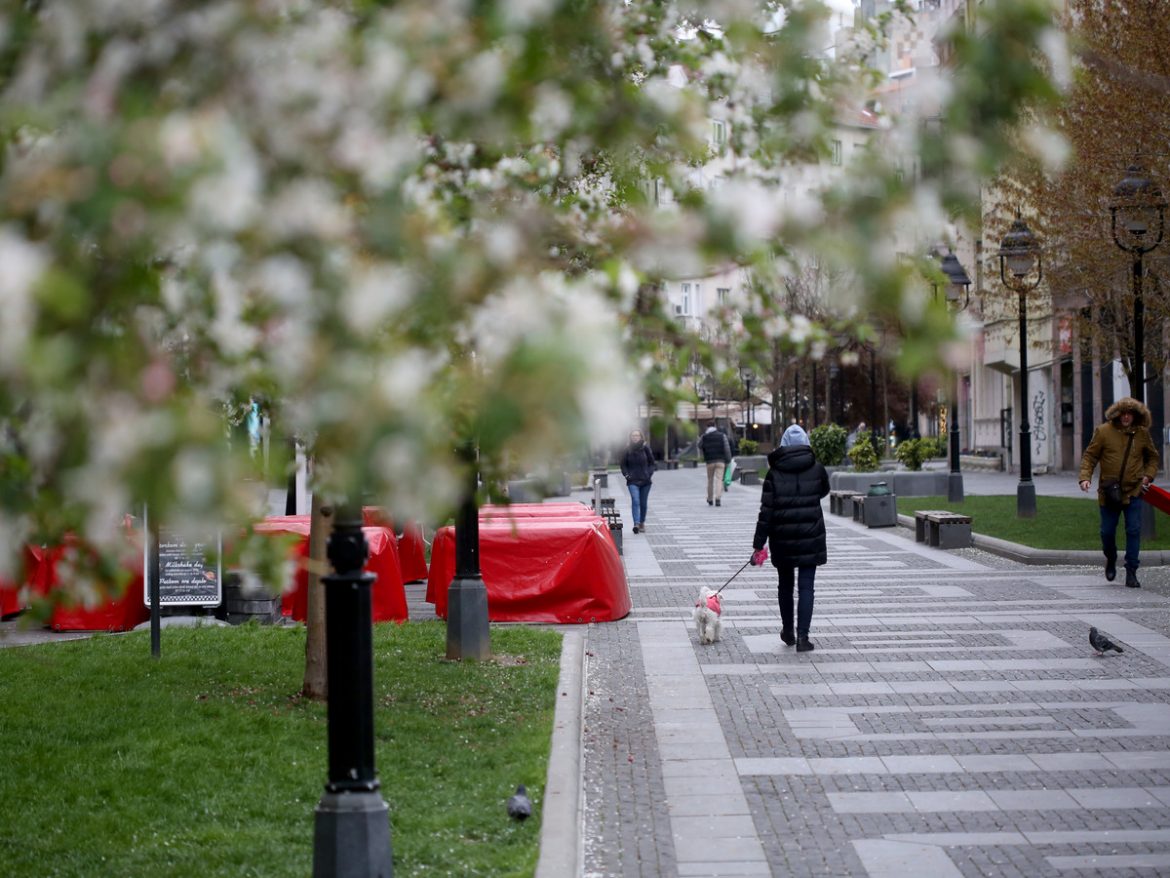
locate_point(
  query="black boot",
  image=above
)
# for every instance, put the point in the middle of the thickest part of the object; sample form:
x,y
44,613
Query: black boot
x,y
1131,580
1110,567
787,636
803,644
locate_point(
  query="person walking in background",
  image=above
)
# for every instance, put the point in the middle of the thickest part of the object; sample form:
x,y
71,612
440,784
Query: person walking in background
x,y
792,524
638,467
1122,447
717,455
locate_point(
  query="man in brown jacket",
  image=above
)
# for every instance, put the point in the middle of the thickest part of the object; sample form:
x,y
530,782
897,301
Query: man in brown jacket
x,y
1126,426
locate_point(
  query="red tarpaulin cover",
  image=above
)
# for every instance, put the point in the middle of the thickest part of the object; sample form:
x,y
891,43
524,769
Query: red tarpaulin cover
x,y
539,568
388,597
111,613
1157,498
412,550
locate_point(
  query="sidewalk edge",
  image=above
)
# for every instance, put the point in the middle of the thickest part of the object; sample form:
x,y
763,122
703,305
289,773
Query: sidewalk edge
x,y
561,852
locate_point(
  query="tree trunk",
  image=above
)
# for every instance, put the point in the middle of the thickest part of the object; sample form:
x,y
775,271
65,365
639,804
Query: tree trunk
x,y
320,526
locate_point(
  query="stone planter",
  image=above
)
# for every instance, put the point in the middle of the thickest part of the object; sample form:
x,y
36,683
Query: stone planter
x,y
907,484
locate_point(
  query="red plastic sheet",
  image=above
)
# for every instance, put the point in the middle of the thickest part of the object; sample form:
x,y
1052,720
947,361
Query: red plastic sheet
x,y
412,551
1157,498
113,613
539,567
388,597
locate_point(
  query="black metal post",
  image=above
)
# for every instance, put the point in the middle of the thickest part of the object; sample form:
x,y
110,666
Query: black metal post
x,y
352,830
873,418
1026,490
955,479
914,410
813,413
468,635
1139,332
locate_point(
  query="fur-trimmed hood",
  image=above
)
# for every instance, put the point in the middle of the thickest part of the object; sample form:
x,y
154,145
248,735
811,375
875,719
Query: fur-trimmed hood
x,y
1141,414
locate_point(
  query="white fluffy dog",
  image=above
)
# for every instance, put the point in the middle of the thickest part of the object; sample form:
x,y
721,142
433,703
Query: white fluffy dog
x,y
708,609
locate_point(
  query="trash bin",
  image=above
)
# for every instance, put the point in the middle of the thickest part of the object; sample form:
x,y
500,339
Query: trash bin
x,y
880,508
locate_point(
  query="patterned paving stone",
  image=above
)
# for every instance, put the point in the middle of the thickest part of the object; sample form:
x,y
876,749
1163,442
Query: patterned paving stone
x,y
953,720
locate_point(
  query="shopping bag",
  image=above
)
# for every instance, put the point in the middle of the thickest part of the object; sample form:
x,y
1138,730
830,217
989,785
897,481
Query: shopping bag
x,y
1157,498
728,473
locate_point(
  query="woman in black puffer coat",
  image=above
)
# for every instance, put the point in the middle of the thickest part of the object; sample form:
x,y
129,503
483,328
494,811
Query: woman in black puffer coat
x,y
793,525
638,467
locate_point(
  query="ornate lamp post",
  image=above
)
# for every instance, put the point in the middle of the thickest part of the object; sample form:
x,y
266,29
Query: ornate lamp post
x,y
1019,254
468,629
747,376
1138,221
351,833
957,283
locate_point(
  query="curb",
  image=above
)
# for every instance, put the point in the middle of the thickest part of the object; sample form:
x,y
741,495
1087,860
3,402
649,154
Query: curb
x,y
561,852
1039,557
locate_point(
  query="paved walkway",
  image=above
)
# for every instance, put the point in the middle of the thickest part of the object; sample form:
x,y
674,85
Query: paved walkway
x,y
953,720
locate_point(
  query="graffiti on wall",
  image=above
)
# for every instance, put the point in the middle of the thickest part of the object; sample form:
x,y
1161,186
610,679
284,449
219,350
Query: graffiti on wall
x,y
1039,425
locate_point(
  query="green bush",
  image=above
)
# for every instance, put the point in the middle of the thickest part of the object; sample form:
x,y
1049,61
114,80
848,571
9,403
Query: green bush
x,y
936,446
912,452
862,454
748,446
828,444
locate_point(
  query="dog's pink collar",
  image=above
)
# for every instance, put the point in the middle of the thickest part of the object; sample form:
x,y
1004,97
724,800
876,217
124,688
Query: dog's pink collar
x,y
714,604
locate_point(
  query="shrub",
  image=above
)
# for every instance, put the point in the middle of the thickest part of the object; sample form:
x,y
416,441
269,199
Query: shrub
x,y
828,444
911,452
748,446
862,454
936,446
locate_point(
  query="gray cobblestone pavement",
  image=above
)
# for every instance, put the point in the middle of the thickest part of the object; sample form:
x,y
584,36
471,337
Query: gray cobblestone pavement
x,y
953,720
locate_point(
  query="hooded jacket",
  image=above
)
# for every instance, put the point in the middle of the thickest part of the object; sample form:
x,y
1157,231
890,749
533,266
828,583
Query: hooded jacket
x,y
1107,448
791,520
638,464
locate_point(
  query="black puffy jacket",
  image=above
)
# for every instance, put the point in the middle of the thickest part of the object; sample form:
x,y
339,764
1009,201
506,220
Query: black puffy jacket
x,y
638,464
715,447
791,520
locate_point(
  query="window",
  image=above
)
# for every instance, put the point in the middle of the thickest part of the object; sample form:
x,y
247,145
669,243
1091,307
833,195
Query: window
x,y
722,295
835,152
718,133
686,298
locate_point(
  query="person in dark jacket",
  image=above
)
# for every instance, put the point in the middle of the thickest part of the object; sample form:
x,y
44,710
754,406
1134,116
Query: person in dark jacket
x,y
638,467
793,525
1126,427
717,455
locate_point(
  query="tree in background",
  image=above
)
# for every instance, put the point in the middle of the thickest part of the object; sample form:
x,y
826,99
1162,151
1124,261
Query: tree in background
x,y
413,225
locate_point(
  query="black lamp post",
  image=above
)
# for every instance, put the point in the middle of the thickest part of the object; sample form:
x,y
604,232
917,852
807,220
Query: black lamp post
x,y
747,376
1138,221
1019,253
468,634
351,834
1138,215
957,282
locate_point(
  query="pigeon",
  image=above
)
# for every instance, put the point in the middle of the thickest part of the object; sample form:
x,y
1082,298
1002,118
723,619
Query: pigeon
x,y
520,806
1101,643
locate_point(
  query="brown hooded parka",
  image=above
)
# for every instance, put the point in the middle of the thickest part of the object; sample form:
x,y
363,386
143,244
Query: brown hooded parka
x,y
1107,448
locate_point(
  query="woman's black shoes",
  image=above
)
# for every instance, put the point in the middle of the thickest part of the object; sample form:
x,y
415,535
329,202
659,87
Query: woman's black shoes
x,y
635,528
803,644
787,636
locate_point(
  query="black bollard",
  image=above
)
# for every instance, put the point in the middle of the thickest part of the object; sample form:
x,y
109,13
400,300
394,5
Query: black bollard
x,y
352,832
468,635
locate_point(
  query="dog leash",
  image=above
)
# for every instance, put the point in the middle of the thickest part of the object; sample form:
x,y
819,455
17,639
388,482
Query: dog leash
x,y
735,574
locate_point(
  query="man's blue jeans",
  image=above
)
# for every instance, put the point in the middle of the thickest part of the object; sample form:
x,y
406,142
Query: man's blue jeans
x,y
1133,531
639,494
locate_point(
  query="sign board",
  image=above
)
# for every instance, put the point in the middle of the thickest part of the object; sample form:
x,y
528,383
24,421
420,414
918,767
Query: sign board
x,y
186,577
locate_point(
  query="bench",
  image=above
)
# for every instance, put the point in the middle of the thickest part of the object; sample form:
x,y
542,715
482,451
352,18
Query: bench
x,y
942,529
841,502
749,477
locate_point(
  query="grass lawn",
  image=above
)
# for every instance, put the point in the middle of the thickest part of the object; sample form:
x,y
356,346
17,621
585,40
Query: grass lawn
x,y
207,763
1060,522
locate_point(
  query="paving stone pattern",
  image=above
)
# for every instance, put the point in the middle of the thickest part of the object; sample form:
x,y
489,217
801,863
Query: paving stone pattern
x,y
953,720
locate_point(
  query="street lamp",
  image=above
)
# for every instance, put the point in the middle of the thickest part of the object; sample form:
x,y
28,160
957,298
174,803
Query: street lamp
x,y
1138,214
1019,253
957,283
749,408
351,834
